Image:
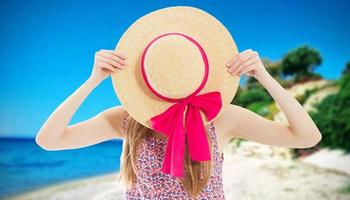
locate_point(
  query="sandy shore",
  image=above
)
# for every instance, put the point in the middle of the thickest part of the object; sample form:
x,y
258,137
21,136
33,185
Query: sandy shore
x,y
252,171
94,188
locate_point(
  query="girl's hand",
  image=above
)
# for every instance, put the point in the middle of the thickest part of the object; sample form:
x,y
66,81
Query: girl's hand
x,y
247,62
107,62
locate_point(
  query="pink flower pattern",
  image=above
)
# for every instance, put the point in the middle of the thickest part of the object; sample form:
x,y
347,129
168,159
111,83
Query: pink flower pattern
x,y
152,184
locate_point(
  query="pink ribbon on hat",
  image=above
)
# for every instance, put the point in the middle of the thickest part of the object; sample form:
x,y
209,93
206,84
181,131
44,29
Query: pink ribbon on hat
x,y
170,122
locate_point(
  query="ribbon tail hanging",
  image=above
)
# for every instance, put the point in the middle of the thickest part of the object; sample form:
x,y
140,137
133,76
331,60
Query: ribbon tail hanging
x,y
170,122
197,140
210,103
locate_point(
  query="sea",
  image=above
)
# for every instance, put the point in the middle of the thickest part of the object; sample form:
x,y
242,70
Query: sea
x,y
25,166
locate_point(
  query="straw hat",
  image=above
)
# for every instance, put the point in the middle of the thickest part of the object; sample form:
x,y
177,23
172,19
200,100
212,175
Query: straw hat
x,y
174,53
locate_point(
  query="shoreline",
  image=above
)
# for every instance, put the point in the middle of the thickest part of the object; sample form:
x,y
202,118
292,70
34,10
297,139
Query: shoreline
x,y
90,186
264,172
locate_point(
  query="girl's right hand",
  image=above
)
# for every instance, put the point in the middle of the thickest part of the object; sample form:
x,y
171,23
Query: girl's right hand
x,y
107,62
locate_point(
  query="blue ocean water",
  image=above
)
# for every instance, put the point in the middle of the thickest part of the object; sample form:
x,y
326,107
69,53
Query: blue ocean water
x,y
25,166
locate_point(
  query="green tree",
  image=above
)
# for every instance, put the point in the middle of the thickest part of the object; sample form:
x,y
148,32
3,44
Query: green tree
x,y
301,62
347,68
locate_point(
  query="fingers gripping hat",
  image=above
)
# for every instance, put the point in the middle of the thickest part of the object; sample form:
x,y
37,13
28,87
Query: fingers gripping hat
x,y
176,80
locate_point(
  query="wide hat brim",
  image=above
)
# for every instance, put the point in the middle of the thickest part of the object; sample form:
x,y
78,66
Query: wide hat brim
x,y
217,42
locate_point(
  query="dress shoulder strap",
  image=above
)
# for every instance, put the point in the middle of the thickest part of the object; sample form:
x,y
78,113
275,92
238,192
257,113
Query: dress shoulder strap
x,y
212,131
125,122
214,138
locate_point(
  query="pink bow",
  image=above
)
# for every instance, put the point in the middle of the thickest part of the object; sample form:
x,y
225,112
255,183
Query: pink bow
x,y
170,122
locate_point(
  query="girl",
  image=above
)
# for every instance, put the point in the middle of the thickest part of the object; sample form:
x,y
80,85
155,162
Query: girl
x,y
143,149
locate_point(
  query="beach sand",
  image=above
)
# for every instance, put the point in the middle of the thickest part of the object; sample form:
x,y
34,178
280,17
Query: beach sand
x,y
253,171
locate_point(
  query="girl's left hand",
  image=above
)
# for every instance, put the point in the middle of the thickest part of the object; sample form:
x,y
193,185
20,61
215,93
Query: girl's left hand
x,y
247,62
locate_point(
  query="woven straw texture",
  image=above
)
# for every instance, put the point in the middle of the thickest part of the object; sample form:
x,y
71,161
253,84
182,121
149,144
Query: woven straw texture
x,y
174,66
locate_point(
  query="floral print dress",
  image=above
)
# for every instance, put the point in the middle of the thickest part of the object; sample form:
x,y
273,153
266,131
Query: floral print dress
x,y
153,184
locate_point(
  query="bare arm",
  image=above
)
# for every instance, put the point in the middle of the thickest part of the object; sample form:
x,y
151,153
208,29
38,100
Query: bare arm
x,y
300,132
55,134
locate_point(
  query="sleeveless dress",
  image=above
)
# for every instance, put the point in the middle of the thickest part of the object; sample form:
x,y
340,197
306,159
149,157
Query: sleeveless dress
x,y
153,184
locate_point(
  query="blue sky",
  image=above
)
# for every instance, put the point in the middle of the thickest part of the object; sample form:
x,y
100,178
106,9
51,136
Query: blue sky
x,y
47,47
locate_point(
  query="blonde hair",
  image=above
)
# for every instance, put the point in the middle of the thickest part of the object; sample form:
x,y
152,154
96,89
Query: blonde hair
x,y
194,180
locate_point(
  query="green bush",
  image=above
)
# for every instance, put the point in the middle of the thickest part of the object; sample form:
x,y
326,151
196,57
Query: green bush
x,y
250,96
332,117
273,110
303,97
260,108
